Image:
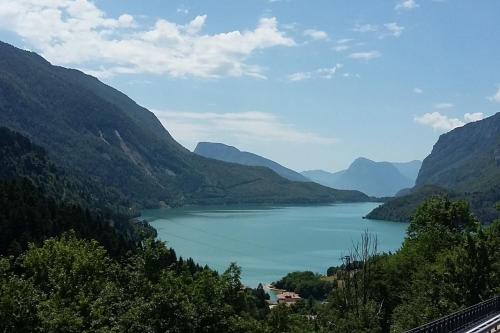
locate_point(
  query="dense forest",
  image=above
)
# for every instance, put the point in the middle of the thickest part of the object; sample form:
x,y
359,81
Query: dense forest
x,y
65,266
72,283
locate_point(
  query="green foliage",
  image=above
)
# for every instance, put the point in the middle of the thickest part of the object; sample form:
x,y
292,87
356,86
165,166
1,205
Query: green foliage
x,y
437,215
20,158
27,215
402,208
72,285
447,262
68,266
306,284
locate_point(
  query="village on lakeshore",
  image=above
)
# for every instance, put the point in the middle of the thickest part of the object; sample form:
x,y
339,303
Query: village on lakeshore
x,y
281,296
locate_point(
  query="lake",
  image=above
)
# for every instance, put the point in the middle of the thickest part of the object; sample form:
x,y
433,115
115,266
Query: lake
x,y
268,242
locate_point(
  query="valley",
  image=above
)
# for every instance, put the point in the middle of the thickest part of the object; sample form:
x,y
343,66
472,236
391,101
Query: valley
x,y
249,167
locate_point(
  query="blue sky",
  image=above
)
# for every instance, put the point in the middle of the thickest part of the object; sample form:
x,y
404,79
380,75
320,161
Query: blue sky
x,y
310,84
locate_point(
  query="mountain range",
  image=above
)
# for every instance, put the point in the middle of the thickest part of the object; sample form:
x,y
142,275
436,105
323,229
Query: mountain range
x,y
91,130
380,179
222,152
463,164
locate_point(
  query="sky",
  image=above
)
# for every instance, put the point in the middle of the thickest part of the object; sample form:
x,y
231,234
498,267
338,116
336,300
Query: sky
x,y
309,84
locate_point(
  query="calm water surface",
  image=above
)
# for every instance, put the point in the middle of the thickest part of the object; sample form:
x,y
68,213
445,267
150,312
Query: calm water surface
x,y
268,242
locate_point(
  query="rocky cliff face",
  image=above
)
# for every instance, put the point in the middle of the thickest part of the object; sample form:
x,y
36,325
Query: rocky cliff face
x,y
466,158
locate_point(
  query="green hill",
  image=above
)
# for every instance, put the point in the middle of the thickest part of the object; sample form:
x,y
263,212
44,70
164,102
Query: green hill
x,y
94,131
39,201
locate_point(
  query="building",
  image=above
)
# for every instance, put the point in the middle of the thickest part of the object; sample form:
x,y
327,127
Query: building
x,y
288,298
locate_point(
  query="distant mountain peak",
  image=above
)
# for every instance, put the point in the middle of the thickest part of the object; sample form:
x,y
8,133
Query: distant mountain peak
x,y
380,179
226,153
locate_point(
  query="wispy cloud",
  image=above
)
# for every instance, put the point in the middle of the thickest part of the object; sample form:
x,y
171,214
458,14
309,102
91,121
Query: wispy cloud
x,y
192,127
343,44
443,123
443,105
394,29
406,5
495,97
366,28
365,56
391,29
316,34
79,34
344,40
341,47
418,90
323,73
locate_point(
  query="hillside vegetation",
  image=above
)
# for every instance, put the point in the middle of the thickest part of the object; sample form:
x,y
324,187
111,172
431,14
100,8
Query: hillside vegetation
x,y
92,130
464,164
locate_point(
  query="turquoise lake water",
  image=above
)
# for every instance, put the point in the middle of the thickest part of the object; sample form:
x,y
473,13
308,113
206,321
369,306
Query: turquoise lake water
x,y
268,242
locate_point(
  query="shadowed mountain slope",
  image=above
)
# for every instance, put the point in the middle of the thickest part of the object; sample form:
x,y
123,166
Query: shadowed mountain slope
x,y
463,164
92,130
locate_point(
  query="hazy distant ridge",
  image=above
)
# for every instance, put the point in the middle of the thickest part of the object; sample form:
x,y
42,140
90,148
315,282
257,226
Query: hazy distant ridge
x,y
222,152
381,179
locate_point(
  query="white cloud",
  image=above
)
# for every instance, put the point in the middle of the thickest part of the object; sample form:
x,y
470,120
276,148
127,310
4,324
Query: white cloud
x,y
315,34
78,33
394,29
344,40
342,47
384,30
444,123
355,75
443,106
366,56
323,73
299,76
496,97
343,44
406,5
192,127
366,28
471,117
418,91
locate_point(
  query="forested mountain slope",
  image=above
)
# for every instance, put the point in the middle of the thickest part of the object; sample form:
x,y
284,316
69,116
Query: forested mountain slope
x,y
464,164
39,201
92,130
465,159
